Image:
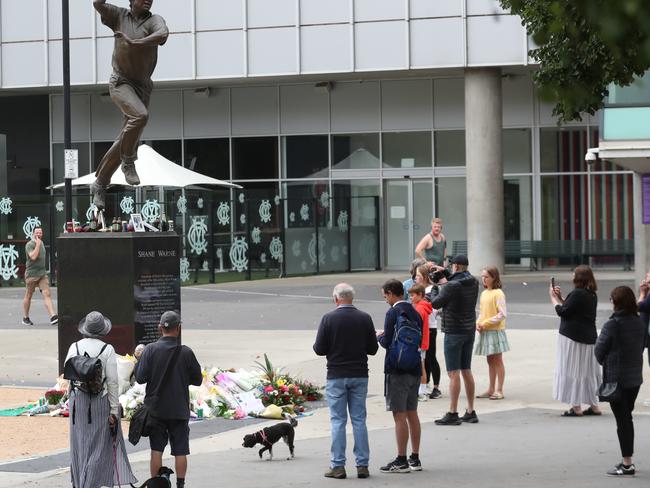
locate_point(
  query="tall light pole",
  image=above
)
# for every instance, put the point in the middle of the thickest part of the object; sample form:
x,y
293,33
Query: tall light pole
x,y
67,133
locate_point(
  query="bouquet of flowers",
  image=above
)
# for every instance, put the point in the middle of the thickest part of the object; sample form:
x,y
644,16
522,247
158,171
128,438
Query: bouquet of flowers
x,y
54,397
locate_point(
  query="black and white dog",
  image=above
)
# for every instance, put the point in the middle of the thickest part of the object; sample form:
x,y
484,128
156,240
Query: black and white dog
x,y
270,435
160,481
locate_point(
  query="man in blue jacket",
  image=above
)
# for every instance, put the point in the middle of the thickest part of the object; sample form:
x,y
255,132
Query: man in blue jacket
x,y
347,336
401,387
458,302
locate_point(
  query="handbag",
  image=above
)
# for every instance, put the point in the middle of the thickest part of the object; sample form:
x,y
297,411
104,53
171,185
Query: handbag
x,y
611,391
140,419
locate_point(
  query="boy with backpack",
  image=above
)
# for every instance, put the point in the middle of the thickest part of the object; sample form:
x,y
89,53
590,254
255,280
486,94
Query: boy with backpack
x,y
402,337
417,295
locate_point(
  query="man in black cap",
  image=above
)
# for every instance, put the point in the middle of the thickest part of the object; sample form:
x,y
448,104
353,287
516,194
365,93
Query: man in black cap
x,y
169,400
458,302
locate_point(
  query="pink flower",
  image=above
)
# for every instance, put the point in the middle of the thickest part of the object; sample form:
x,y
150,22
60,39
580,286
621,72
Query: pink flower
x,y
268,388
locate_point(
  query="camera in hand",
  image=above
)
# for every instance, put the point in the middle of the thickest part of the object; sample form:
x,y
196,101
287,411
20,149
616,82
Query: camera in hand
x,y
436,276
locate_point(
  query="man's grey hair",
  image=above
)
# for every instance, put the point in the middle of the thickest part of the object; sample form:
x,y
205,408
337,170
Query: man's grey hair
x,y
343,291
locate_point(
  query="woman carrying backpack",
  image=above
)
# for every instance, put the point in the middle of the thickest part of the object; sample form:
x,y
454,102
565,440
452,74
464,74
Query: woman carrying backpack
x,y
97,452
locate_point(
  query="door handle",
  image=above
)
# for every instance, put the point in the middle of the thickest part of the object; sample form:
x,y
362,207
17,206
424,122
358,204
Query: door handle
x,y
416,226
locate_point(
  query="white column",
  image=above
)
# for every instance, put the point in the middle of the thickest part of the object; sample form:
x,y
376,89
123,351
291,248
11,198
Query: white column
x,y
641,234
483,126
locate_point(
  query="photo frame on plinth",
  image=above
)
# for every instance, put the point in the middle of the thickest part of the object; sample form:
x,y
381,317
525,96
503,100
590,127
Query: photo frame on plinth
x,y
138,223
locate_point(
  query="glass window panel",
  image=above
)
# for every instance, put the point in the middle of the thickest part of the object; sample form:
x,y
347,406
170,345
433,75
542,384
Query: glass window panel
x,y
170,149
406,149
355,151
99,149
516,151
305,198
564,207
358,194
210,157
305,157
563,149
518,208
612,199
255,158
450,147
451,206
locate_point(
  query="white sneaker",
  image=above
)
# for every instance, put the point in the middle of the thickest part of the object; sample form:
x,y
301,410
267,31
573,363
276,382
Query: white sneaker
x,y
423,398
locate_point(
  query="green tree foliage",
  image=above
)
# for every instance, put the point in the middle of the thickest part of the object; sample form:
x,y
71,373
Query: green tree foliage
x,y
584,45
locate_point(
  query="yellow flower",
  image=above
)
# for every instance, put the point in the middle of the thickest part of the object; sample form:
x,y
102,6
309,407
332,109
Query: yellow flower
x,y
280,382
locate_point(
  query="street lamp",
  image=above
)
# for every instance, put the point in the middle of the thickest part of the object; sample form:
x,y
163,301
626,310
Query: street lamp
x,y
67,134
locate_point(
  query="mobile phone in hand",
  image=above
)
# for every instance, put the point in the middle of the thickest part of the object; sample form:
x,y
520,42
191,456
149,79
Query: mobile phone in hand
x,y
552,281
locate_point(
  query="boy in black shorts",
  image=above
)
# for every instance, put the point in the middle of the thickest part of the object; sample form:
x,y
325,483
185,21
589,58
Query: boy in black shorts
x,y
401,387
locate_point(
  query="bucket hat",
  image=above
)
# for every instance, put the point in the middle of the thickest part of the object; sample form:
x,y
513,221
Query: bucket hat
x,y
95,325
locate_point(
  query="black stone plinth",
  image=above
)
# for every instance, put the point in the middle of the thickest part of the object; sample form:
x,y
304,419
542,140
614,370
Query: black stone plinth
x,y
130,277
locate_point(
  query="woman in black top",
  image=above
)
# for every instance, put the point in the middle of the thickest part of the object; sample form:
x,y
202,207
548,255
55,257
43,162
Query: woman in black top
x,y
577,374
620,350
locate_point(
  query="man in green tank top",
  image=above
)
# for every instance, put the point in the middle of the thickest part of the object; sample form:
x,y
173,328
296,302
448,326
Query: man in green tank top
x,y
433,246
36,277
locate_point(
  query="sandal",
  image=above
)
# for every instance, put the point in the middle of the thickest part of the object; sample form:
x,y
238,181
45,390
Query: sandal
x,y
571,413
496,396
591,411
484,395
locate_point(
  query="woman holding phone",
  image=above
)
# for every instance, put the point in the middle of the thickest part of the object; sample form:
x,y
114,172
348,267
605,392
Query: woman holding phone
x,y
577,374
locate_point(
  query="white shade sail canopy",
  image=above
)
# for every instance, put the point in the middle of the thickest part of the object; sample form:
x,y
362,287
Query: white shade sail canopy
x,y
156,170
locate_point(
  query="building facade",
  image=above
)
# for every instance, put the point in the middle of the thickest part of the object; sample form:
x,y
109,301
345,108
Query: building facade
x,y
308,100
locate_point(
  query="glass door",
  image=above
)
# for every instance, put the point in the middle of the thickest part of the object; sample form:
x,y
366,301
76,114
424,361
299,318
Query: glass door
x,y
408,211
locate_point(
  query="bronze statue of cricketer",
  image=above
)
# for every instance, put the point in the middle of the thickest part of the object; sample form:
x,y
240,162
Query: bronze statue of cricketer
x,y
138,33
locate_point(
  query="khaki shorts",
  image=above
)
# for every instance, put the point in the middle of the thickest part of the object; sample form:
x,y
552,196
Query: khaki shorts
x,y
40,282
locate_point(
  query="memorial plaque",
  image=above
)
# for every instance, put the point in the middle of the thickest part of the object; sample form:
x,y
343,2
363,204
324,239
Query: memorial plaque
x,y
131,278
157,286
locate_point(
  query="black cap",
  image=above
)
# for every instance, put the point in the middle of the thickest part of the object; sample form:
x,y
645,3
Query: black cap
x,y
170,319
460,259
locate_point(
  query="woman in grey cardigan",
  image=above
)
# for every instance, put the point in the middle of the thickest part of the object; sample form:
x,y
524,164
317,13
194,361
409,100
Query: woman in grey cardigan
x,y
619,349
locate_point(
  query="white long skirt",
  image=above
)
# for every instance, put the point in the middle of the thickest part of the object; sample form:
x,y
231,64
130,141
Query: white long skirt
x,y
577,373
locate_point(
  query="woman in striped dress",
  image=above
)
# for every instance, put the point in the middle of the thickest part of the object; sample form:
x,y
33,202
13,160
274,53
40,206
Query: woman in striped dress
x,y
577,374
97,458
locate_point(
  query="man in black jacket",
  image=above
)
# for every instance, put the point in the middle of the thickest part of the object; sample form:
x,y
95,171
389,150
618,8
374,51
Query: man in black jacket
x,y
457,299
171,403
347,336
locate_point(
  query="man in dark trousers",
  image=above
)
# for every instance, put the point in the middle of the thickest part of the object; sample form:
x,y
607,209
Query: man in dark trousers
x,y
347,336
138,33
401,387
171,403
458,302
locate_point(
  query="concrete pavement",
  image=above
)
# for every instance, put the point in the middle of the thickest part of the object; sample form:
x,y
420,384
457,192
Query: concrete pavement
x,y
520,441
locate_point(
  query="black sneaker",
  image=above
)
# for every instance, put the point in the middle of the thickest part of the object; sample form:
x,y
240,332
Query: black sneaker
x,y
435,393
449,419
54,320
26,321
470,418
415,464
396,466
621,470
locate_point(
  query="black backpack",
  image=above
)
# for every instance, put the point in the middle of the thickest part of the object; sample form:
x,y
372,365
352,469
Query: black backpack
x,y
86,374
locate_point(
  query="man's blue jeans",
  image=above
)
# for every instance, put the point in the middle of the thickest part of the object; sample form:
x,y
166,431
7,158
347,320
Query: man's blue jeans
x,y
345,394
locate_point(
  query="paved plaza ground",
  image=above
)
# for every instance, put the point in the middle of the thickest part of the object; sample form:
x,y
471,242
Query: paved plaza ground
x,y
520,441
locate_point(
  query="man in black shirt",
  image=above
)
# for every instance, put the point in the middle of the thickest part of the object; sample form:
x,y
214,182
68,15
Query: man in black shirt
x,y
347,336
170,410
